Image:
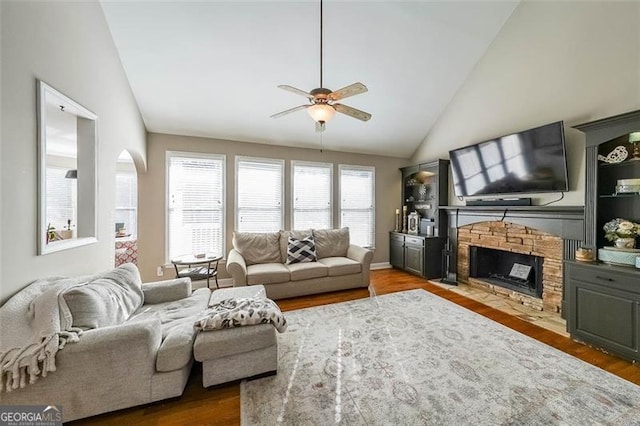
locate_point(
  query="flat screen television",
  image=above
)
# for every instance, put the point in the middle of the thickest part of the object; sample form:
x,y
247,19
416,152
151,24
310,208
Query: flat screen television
x,y
530,161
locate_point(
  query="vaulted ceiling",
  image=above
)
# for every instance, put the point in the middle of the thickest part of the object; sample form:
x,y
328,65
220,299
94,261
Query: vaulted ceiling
x,y
211,68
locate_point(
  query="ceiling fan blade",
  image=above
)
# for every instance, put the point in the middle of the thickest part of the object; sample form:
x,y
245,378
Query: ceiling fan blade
x,y
345,92
289,111
319,127
352,112
296,91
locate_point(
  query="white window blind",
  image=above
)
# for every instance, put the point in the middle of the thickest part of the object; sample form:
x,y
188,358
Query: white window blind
x,y
127,201
312,185
61,198
259,203
357,203
195,203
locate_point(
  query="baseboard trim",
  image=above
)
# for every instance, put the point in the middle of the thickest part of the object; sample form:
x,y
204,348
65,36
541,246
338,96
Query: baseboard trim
x,y
380,265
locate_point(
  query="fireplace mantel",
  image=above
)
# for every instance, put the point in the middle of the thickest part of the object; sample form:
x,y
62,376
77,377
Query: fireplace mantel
x,y
566,222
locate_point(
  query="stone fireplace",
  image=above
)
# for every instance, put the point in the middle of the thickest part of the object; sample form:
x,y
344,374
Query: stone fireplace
x,y
513,260
517,271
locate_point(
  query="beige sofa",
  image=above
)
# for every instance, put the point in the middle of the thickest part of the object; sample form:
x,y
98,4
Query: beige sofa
x,y
143,355
261,259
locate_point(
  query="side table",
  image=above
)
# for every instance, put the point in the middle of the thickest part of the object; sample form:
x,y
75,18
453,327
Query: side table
x,y
204,268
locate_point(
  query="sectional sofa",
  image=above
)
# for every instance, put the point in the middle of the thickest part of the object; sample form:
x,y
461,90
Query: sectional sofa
x,y
126,343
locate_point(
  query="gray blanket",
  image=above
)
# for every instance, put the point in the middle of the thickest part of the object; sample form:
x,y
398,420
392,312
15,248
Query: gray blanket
x,y
237,312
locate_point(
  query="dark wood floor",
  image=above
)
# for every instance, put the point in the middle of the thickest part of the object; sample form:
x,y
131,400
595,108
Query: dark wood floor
x,y
221,405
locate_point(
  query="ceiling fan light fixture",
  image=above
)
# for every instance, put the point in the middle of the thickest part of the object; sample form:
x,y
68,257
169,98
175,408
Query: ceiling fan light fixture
x,y
321,113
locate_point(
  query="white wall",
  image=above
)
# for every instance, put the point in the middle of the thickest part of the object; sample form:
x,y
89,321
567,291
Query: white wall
x,y
571,61
69,46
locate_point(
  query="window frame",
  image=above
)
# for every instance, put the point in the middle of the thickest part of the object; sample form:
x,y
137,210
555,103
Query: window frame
x,y
330,166
371,169
281,163
197,155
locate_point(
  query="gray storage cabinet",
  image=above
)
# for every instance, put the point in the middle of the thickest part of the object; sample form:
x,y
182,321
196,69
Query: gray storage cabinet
x,y
417,254
603,307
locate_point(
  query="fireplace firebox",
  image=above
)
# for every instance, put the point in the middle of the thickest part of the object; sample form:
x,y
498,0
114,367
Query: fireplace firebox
x,y
515,271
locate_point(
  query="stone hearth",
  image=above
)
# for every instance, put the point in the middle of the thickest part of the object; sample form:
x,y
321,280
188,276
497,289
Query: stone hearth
x,y
518,239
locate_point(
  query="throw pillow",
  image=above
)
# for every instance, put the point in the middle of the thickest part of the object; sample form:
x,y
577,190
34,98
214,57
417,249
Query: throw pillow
x,y
331,242
299,251
109,299
258,247
284,240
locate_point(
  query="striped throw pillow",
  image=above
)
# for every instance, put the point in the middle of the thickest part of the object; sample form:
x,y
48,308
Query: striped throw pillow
x,y
299,251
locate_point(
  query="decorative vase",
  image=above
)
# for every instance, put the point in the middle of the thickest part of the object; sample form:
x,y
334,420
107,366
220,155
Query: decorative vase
x,y
625,242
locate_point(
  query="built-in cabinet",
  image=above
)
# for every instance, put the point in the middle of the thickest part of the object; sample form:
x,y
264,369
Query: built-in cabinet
x,y
604,299
417,254
425,189
603,307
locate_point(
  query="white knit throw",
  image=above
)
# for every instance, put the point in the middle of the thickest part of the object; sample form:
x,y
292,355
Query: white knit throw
x,y
34,325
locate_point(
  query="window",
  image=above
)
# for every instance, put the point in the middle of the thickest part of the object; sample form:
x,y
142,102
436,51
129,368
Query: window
x,y
195,203
311,198
61,198
127,200
357,203
259,203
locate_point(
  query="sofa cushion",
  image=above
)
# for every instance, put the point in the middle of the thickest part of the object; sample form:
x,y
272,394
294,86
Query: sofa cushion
x,y
306,271
301,251
284,240
255,291
331,242
258,247
267,273
341,266
109,299
176,319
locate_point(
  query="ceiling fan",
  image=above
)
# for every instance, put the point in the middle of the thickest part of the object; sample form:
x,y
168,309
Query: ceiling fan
x,y
323,102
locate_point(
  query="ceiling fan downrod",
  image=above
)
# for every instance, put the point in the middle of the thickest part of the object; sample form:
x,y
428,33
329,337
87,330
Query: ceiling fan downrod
x,y
321,38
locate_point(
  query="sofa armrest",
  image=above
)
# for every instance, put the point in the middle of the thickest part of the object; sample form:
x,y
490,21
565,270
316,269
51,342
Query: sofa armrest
x,y
107,368
363,256
145,334
237,267
360,255
166,291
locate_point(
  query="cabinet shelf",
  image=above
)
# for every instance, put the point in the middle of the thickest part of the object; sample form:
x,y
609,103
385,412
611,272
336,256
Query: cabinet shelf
x,y
625,195
632,163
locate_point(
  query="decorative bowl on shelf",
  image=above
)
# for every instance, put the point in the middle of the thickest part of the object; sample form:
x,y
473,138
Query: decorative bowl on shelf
x,y
584,255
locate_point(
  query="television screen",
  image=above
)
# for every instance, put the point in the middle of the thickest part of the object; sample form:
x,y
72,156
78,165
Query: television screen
x,y
529,161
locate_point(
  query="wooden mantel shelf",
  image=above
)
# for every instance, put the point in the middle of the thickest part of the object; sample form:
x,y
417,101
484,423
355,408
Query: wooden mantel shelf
x,y
534,210
564,221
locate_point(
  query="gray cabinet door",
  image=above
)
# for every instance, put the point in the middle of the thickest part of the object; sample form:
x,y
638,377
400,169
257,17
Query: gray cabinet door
x,y
607,317
414,258
396,254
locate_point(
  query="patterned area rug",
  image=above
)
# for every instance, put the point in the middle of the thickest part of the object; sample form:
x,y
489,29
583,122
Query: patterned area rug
x,y
413,358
